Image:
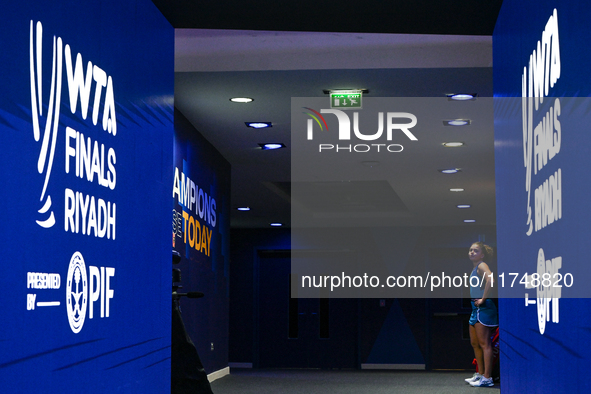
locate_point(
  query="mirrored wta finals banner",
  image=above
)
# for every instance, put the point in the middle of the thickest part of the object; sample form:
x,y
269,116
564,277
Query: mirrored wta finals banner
x,y
86,126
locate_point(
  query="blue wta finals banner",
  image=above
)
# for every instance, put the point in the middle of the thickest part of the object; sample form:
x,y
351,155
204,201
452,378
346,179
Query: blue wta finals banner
x,y
542,115
86,128
541,154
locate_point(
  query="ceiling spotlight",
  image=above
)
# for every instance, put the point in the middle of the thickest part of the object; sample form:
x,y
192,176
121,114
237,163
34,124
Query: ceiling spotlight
x,y
456,122
463,206
469,221
271,146
453,144
243,208
462,96
241,99
258,125
456,190
276,224
449,170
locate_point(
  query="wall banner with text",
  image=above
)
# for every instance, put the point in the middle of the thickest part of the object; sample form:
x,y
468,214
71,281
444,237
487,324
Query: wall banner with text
x,y
86,131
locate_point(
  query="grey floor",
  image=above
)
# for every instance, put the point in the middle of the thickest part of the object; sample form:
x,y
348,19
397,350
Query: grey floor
x,y
247,381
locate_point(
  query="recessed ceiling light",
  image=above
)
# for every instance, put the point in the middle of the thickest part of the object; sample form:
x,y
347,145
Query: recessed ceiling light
x,y
453,144
449,170
258,125
272,146
458,189
276,224
469,221
456,122
462,96
463,206
241,99
243,208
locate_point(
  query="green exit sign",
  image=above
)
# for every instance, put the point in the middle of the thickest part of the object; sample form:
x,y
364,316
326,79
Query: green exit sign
x,y
345,99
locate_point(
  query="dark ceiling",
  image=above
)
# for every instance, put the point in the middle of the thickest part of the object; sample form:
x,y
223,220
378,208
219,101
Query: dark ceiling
x,y
458,17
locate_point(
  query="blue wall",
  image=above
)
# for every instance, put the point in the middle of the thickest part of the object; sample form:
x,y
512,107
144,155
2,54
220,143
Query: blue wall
x,y
545,335
85,254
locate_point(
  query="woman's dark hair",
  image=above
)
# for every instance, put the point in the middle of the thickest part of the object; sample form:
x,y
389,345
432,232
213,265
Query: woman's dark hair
x,y
487,250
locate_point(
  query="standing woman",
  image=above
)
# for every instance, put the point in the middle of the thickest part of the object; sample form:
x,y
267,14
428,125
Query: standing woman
x,y
484,314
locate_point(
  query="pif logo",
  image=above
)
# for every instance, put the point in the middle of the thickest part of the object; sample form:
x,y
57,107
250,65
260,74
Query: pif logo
x,y
76,292
83,290
392,120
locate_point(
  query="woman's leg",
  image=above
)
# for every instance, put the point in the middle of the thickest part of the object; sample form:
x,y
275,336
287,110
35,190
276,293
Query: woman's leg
x,y
478,354
483,338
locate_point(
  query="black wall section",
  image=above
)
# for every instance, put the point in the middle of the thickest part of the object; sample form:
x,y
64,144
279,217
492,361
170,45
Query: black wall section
x,y
204,268
245,244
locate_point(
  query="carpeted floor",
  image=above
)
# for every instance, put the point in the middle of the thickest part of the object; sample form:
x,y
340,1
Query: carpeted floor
x,y
253,381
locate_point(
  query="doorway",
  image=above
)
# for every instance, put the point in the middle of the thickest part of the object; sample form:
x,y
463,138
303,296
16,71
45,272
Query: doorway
x,y
300,332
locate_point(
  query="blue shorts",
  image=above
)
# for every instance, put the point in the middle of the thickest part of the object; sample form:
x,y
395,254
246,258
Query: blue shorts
x,y
484,314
